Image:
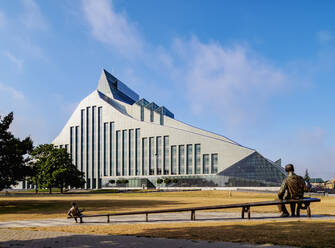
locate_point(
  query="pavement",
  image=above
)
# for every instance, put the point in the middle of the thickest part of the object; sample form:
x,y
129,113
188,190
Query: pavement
x,y
19,238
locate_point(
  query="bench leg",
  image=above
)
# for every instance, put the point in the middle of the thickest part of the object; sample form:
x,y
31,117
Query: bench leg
x,y
308,211
108,219
248,213
146,217
192,215
242,215
298,210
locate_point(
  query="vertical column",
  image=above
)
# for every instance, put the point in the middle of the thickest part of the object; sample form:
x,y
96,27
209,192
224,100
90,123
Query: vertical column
x,y
88,148
71,145
124,153
138,166
93,155
105,149
82,140
99,148
111,150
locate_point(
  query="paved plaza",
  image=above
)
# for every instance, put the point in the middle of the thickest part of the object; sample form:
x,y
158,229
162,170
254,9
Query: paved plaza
x,y
20,238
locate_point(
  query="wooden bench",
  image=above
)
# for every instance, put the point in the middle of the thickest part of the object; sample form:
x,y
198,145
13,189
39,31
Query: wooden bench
x,y
244,206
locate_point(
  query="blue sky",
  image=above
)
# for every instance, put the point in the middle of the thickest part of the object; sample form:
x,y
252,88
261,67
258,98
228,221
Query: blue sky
x,y
259,72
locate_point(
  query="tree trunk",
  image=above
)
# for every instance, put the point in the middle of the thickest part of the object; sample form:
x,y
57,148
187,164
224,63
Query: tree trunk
x,y
61,189
36,188
50,190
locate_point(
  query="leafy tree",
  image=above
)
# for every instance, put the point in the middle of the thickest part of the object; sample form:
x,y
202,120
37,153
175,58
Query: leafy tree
x,y
159,180
175,180
167,180
112,181
53,168
13,151
306,177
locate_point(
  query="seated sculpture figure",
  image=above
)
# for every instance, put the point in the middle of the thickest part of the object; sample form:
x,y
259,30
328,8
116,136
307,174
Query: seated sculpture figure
x,y
75,212
292,187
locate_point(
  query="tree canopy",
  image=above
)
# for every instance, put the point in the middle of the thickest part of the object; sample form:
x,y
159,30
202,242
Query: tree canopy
x,y
13,154
53,167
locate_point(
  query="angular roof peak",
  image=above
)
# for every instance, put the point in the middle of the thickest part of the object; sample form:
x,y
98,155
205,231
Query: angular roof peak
x,y
114,88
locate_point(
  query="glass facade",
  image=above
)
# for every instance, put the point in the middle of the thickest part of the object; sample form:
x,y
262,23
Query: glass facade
x,y
111,149
93,143
166,163
256,167
118,155
125,170
88,140
137,151
71,144
197,156
151,156
173,160
189,161
76,147
131,152
105,148
159,155
214,163
205,163
181,159
82,113
145,163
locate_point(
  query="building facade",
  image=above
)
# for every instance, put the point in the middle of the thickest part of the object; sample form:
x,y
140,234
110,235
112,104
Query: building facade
x,y
114,134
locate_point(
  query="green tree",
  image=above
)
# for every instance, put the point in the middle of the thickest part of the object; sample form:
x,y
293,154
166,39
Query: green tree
x,y
306,177
175,180
167,181
13,155
159,180
112,181
53,168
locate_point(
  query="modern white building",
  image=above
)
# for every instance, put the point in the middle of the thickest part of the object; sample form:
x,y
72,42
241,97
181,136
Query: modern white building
x,y
114,134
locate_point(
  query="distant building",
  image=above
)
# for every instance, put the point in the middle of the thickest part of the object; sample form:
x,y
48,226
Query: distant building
x,y
330,184
113,134
317,182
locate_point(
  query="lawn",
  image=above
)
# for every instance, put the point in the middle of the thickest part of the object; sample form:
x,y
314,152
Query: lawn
x,y
304,233
43,206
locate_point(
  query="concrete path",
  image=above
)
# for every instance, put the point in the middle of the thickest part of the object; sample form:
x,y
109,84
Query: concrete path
x,y
33,239
154,218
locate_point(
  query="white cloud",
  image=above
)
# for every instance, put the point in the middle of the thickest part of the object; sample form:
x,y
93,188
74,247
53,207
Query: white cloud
x,y
324,36
18,62
3,20
14,93
112,28
231,81
32,17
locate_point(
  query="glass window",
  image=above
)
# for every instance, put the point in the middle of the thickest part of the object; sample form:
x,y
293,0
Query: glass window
x,y
71,143
88,147
137,152
214,163
105,147
197,159
118,152
93,142
151,156
159,155
181,159
142,113
166,164
145,156
111,148
76,146
124,153
173,160
205,163
99,123
189,162
131,152
82,112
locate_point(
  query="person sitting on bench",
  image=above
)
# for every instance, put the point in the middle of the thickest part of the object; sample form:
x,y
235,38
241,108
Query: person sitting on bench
x,y
75,212
292,188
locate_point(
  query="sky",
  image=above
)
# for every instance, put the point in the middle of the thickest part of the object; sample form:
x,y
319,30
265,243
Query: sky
x,y
259,72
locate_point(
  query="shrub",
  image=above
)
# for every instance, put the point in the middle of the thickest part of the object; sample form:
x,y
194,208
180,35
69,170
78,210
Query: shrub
x,y
112,181
167,180
159,180
175,180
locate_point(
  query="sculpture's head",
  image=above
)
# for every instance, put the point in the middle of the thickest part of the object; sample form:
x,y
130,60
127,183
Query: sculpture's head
x,y
289,167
